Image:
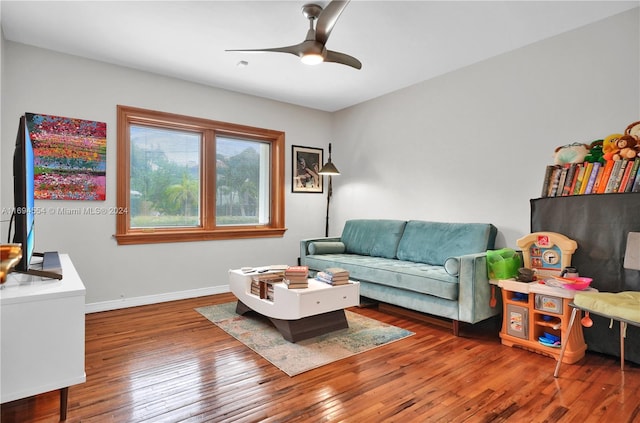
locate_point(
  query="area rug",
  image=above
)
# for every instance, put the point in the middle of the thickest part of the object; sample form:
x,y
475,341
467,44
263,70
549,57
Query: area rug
x,y
257,333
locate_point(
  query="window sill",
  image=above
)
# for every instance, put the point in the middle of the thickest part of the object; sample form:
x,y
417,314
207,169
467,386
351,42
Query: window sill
x,y
157,236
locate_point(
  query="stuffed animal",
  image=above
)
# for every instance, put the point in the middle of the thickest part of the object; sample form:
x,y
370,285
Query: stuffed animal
x,y
610,146
628,146
633,130
595,153
571,153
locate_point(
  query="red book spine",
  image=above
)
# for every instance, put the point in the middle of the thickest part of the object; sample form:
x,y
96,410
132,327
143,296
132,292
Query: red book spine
x,y
625,177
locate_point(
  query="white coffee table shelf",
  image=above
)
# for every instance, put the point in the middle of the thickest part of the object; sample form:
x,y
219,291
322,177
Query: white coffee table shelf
x,y
298,313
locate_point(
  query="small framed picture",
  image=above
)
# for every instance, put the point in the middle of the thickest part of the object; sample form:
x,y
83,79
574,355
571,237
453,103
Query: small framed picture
x,y
307,162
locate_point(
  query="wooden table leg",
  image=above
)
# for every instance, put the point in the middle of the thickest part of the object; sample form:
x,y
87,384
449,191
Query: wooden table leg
x,y
623,333
64,399
565,341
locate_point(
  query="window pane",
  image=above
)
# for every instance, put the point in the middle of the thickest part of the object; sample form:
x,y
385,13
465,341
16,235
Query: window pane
x,y
169,168
164,178
242,182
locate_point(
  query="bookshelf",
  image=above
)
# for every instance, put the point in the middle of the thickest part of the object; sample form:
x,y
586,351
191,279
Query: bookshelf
x,y
612,176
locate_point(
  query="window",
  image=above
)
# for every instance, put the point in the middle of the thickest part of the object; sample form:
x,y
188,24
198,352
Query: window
x,y
190,179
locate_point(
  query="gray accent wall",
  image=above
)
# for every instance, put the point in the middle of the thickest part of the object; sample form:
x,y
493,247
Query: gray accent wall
x,y
472,145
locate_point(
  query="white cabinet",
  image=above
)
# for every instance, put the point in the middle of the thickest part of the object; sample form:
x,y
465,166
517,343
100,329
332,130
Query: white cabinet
x,y
42,334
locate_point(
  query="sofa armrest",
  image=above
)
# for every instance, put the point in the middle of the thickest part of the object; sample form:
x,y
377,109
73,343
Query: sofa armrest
x,y
304,245
474,289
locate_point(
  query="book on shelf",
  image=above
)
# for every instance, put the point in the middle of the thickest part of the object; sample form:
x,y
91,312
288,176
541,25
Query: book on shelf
x,y
595,166
555,181
576,173
263,289
563,176
278,267
296,284
636,183
296,270
625,176
568,182
334,276
585,178
323,277
273,277
579,180
613,179
337,272
547,177
633,175
621,172
296,277
606,175
598,181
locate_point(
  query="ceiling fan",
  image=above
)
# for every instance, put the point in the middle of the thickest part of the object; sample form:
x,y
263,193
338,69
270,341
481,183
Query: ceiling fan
x,y
313,50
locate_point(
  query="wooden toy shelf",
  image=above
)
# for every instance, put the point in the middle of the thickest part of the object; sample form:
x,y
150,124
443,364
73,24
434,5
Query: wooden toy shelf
x,y
531,309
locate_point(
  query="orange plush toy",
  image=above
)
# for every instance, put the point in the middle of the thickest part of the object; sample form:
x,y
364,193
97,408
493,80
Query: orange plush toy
x,y
610,147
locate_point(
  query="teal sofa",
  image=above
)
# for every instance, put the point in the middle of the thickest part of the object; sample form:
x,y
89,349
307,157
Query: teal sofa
x,y
436,268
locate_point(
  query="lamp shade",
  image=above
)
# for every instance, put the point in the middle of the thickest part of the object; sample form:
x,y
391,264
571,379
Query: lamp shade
x,y
329,169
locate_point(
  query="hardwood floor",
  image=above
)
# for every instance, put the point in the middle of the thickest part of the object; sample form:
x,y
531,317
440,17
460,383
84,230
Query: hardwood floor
x,y
167,363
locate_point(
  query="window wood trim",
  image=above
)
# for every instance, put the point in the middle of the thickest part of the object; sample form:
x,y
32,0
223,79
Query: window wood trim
x,y
125,235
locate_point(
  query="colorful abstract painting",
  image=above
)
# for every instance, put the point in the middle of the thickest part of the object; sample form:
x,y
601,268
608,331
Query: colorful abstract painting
x,y
69,157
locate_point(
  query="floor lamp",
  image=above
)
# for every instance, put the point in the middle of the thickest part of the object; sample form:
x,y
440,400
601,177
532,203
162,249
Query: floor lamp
x,y
328,169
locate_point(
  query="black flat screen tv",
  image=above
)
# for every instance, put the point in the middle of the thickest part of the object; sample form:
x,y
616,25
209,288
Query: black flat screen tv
x,y
23,196
24,208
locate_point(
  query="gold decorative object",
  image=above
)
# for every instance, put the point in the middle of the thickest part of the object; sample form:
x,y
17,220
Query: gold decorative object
x,y
11,255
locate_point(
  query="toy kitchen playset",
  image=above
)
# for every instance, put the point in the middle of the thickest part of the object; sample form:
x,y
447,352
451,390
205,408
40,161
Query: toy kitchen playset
x,y
536,308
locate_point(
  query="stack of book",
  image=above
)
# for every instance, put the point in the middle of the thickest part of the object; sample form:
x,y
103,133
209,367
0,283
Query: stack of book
x,y
296,277
334,276
262,285
592,178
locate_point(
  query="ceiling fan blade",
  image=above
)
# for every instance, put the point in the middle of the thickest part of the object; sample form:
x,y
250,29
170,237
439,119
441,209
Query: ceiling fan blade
x,y
343,59
296,49
328,18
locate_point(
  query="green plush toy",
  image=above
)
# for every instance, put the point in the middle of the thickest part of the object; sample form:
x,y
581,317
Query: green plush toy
x,y
595,152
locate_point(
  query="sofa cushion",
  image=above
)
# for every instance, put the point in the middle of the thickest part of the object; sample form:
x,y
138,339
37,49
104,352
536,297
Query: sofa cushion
x,y
417,277
372,237
452,266
326,247
434,242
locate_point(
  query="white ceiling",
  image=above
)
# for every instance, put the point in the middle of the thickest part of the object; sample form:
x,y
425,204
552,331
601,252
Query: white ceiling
x,y
400,43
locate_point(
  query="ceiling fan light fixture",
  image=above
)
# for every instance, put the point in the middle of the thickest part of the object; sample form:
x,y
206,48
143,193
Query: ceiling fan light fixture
x,y
312,59
313,50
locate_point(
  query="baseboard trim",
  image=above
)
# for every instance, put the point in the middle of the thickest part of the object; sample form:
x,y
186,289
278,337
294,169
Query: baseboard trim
x,y
154,299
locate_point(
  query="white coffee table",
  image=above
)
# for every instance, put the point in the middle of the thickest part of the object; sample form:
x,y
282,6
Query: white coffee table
x,y
298,313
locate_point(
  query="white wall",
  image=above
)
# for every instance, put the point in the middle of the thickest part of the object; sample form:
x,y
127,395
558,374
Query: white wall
x,y
42,81
472,145
468,146
2,234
